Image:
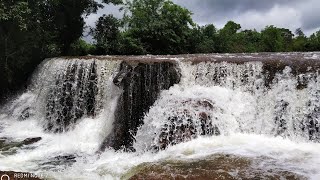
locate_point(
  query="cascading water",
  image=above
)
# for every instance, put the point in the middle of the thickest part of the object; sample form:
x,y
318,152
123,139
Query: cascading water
x,y
264,107
225,98
64,91
70,104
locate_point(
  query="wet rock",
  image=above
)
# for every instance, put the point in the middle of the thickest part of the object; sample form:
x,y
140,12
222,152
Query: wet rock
x,y
311,122
25,114
124,70
72,97
216,167
2,142
141,84
10,147
311,126
185,126
29,141
281,109
11,175
59,162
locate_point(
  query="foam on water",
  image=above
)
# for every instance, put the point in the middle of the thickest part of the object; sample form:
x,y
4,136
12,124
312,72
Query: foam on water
x,y
25,118
277,153
269,123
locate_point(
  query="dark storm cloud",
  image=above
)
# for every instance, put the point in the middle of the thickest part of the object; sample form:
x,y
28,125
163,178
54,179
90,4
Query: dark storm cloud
x,y
256,13
311,14
227,8
221,7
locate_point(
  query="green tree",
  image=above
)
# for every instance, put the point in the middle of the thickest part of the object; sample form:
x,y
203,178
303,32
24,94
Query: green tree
x,y
276,39
160,25
226,37
81,48
245,41
300,41
21,42
130,46
31,30
67,20
208,37
314,42
107,34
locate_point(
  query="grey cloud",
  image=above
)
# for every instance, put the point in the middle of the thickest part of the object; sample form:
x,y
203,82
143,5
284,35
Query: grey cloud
x,y
108,9
311,14
226,8
294,13
249,13
91,19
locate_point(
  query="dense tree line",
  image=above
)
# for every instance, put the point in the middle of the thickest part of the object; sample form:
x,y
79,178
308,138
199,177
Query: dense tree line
x,y
31,30
162,27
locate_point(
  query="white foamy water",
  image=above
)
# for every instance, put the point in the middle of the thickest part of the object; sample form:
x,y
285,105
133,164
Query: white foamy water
x,y
228,107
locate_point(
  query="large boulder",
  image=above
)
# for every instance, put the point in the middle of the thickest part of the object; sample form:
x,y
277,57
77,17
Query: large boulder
x,y
218,167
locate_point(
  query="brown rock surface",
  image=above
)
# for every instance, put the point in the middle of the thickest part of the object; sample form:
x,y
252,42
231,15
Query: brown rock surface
x,y
218,167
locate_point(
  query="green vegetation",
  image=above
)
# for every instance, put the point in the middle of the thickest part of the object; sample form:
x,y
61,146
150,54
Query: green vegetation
x,y
162,27
31,30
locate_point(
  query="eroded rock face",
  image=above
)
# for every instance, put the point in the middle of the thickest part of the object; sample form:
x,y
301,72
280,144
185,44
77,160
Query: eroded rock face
x,y
216,167
186,126
72,97
141,84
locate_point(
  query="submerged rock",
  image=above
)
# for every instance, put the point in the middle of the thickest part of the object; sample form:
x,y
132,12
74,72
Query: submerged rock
x,y
10,147
216,167
29,141
26,113
59,162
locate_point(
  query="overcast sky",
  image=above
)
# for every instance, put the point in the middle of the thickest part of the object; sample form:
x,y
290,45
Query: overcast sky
x,y
251,14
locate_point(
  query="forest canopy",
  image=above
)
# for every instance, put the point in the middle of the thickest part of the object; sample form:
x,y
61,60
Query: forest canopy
x,y
32,30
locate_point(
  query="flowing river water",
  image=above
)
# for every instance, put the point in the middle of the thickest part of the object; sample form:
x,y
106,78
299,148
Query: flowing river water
x,y
217,109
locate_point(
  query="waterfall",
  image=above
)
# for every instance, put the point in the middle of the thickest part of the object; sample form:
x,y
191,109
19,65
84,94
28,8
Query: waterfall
x,y
219,98
63,91
103,116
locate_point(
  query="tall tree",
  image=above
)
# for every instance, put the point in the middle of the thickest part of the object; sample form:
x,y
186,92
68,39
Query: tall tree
x,y
276,39
226,36
31,30
160,25
314,42
203,39
300,41
107,34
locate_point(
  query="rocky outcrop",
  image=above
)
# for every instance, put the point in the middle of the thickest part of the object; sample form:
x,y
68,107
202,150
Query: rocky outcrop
x,y
218,167
141,84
